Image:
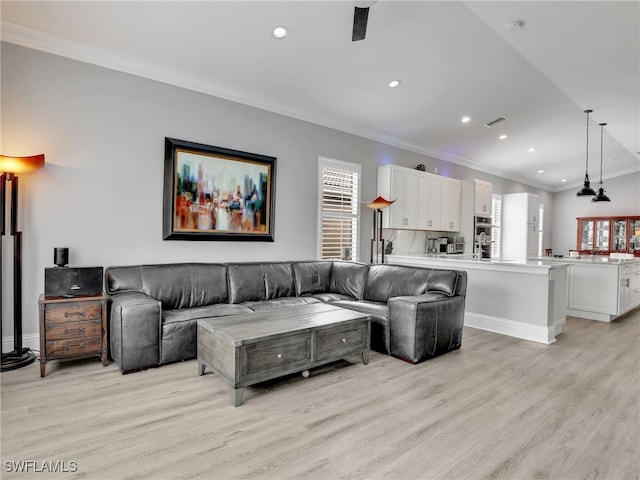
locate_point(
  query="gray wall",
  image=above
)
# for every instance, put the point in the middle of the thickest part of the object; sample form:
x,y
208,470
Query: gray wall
x,y
100,193
625,200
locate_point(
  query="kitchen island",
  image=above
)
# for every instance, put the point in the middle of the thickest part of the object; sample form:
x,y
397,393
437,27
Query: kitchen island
x,y
602,288
524,300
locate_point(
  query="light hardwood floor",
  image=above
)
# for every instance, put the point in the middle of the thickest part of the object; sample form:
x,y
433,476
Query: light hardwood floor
x,y
498,408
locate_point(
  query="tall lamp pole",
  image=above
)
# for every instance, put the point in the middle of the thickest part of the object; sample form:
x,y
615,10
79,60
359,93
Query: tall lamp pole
x,y
9,168
377,242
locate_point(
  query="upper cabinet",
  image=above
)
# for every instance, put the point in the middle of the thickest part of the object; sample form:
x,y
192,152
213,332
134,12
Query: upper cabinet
x,y
450,206
483,194
399,184
423,201
605,235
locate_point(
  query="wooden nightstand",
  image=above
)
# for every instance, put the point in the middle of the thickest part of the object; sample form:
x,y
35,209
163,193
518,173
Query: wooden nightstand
x,y
72,328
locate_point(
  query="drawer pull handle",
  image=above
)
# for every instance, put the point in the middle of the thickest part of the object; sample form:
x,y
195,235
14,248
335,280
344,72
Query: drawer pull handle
x,y
343,340
279,355
69,347
71,314
80,330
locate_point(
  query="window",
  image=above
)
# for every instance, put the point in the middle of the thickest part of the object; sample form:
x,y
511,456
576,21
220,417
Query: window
x,y
339,209
496,225
540,223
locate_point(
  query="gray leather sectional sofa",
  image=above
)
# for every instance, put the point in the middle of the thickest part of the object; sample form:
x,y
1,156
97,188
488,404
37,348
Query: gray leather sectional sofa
x,y
416,313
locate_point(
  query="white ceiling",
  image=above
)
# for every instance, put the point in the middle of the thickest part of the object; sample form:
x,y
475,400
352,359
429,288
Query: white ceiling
x,y
453,58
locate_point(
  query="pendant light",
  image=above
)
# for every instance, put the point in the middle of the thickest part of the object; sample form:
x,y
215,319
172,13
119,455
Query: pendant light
x,y
586,190
601,196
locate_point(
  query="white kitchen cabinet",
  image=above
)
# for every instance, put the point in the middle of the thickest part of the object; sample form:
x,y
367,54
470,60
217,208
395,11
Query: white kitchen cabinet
x,y
629,296
434,202
519,226
483,194
603,290
450,206
424,201
399,184
424,194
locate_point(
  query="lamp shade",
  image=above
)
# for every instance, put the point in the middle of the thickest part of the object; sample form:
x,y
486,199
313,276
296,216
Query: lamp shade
x,y
21,164
378,203
601,196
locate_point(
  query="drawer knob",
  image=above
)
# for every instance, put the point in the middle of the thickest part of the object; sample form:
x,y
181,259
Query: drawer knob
x,y
343,340
70,347
278,355
71,314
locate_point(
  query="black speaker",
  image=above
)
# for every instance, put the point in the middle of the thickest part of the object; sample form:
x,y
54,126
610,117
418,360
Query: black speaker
x,y
60,256
72,281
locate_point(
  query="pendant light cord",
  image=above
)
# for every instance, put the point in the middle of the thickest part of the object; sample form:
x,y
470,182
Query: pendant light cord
x,y
601,148
586,168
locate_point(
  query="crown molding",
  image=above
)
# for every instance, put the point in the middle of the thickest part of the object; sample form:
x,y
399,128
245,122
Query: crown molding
x,y
45,42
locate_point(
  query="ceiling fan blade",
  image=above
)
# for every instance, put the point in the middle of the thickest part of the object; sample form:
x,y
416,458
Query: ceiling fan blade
x,y
360,17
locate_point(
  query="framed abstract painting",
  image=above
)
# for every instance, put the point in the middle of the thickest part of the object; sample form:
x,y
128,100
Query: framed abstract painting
x,y
215,193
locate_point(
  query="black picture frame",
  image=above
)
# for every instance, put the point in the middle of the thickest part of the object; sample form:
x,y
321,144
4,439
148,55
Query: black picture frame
x,y
218,194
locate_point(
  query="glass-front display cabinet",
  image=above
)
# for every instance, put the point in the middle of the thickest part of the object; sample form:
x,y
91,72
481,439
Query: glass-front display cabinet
x,y
605,235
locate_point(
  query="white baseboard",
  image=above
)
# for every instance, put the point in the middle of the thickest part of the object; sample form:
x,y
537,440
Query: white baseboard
x,y
513,328
29,341
601,317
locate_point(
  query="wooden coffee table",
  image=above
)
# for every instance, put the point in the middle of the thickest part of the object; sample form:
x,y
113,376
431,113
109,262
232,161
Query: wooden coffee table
x,y
253,347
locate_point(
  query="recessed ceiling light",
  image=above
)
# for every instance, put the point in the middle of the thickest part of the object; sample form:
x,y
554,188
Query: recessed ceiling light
x,y
531,150
394,83
563,180
503,136
465,119
540,171
280,32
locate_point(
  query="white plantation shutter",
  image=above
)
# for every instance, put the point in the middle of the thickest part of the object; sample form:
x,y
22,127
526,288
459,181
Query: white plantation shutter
x,y
496,226
339,209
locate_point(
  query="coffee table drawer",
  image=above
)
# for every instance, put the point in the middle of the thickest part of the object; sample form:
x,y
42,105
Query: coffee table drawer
x,y
286,353
336,339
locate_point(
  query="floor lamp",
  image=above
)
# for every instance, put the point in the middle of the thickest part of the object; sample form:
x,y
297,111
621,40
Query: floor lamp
x,y
377,242
10,167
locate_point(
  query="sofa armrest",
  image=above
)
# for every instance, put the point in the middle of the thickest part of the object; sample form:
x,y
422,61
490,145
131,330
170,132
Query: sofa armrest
x,y
134,330
424,326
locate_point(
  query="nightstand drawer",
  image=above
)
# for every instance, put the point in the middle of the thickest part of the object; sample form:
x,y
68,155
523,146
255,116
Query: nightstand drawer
x,y
71,312
65,331
74,347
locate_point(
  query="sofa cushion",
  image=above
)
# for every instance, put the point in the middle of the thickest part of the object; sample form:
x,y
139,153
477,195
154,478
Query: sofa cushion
x,y
260,281
444,281
124,279
185,285
330,297
386,281
312,277
348,278
179,329
191,314
283,302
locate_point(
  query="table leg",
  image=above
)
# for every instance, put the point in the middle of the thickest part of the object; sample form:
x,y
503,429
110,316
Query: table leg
x,y
236,396
365,356
201,367
43,366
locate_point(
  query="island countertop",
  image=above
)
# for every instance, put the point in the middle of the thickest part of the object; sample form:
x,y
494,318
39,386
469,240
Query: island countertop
x,y
540,265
